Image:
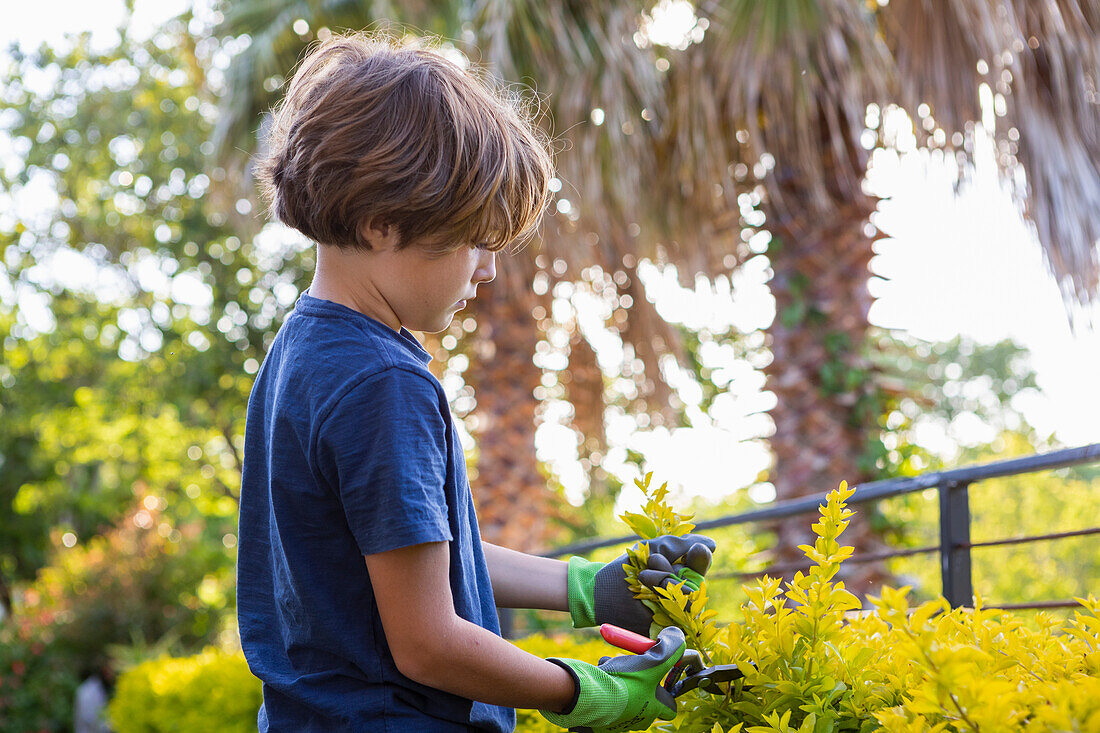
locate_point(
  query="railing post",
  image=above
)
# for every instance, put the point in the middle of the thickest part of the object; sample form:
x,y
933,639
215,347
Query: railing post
x,y
958,587
506,617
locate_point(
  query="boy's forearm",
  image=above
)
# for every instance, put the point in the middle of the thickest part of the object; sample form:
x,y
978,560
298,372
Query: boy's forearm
x,y
474,663
527,581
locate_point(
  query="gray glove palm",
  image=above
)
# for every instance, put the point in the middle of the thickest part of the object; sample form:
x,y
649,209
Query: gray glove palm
x,y
598,593
621,693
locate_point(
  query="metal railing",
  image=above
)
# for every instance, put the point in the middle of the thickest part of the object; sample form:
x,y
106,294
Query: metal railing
x,y
955,545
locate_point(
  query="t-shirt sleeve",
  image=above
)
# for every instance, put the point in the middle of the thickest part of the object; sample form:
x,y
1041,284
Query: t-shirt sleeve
x,y
384,448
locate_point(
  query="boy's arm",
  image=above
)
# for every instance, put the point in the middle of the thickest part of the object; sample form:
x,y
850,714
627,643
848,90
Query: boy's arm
x,y
527,581
434,646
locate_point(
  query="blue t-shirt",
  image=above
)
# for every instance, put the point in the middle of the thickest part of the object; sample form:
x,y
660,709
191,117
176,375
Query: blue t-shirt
x,y
350,450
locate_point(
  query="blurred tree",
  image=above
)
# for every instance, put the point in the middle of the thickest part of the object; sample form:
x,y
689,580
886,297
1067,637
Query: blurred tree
x,y
756,114
968,391
948,401
958,403
961,405
144,582
807,85
127,348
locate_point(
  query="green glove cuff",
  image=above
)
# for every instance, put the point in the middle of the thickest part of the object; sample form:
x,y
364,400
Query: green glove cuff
x,y
622,693
594,700
582,591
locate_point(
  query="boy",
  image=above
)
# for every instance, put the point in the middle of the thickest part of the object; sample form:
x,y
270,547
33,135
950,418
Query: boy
x,y
366,599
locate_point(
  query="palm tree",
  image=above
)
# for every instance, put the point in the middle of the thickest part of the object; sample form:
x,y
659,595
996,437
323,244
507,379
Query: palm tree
x,y
798,77
795,81
767,104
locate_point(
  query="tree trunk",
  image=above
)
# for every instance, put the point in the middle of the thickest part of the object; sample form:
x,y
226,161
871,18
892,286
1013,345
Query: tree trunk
x,y
512,498
828,407
651,337
584,388
5,601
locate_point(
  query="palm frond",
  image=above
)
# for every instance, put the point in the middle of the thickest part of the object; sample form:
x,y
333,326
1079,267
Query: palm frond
x,y
941,50
595,82
255,74
653,159
789,79
1054,106
1043,59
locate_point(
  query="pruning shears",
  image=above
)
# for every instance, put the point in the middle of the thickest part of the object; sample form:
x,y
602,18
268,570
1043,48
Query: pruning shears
x,y
688,674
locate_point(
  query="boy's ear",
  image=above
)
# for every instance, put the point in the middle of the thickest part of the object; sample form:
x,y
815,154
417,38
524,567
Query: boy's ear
x,y
379,235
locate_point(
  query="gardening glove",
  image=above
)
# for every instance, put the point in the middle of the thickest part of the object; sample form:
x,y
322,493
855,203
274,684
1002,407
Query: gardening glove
x,y
622,693
598,593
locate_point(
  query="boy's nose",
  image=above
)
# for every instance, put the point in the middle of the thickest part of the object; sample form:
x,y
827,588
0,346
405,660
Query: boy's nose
x,y
487,269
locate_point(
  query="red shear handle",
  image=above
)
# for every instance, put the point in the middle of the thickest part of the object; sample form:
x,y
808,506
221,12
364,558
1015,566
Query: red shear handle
x,y
625,639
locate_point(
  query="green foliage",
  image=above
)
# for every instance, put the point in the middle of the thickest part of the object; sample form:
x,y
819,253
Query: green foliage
x,y
947,384
961,376
950,388
144,581
816,661
657,517
82,427
166,305
209,691
37,684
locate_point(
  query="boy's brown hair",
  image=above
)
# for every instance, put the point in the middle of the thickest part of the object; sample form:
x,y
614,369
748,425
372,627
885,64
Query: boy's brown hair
x,y
372,130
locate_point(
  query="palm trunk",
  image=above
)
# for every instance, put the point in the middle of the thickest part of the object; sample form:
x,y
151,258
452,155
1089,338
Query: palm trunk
x,y
584,388
512,498
827,409
651,337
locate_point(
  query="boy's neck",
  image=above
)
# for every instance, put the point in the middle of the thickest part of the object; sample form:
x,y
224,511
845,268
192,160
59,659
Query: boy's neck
x,y
342,277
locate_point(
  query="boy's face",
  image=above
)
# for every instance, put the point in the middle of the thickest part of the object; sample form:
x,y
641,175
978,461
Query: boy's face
x,y
425,291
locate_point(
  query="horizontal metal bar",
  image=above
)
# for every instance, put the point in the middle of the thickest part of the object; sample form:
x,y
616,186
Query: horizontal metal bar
x,y
985,607
968,474
1036,538
1036,604
863,612
876,556
873,491
780,569
1025,464
775,511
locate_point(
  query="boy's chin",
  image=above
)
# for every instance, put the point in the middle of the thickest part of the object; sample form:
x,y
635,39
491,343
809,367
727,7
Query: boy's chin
x,y
439,326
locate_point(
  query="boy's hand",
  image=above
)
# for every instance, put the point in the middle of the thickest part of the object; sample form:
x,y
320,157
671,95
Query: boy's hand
x,y
598,593
622,693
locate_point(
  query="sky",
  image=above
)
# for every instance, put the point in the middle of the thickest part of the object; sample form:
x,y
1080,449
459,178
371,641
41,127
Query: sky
x,y
955,264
